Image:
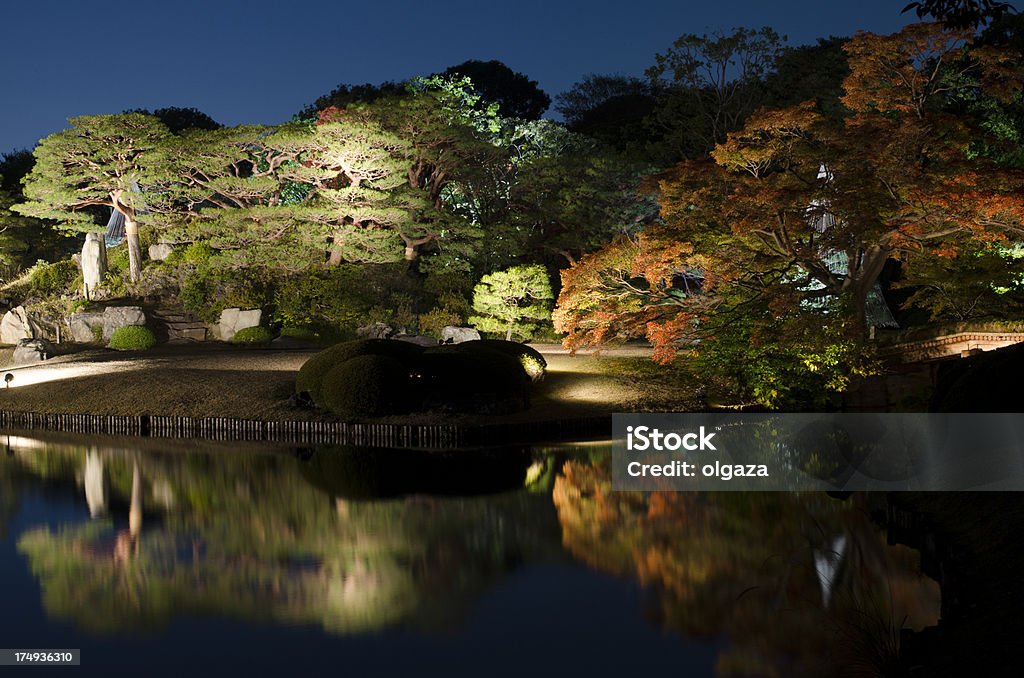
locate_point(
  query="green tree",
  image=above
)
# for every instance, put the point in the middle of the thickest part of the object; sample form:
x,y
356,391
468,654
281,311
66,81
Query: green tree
x,y
961,13
516,95
612,109
24,240
708,85
181,119
242,189
514,301
97,162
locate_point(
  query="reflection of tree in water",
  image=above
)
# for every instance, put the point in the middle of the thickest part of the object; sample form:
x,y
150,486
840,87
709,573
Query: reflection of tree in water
x,y
10,497
248,536
799,584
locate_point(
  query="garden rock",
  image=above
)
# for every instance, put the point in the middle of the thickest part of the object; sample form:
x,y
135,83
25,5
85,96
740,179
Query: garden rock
x,y
31,351
375,331
458,335
234,319
88,327
93,260
80,326
160,251
16,326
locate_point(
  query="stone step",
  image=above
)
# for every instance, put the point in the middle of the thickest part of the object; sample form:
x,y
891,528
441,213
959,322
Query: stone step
x,y
187,334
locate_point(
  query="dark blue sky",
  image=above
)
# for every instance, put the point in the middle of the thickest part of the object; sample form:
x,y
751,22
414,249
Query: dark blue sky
x,y
261,61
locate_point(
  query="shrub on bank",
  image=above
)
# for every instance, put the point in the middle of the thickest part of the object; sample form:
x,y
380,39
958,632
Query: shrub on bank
x,y
252,335
366,386
532,362
481,380
52,278
132,338
376,377
312,374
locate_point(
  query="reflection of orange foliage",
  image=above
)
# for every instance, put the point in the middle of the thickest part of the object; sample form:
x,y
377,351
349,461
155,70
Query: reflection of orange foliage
x,y
741,565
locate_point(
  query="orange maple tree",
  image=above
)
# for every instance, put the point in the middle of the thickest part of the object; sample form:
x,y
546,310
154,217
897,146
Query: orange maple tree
x,y
799,213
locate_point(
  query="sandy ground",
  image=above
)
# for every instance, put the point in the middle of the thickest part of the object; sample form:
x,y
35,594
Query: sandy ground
x,y
216,380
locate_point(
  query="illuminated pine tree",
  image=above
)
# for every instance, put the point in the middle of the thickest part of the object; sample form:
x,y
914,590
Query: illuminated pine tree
x,y
514,301
98,161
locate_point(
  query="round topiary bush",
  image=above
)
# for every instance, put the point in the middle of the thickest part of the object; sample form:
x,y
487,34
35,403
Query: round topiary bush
x,y
366,386
252,335
311,374
132,338
531,361
478,380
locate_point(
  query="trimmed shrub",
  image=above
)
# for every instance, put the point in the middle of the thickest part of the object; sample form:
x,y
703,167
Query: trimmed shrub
x,y
52,278
313,372
366,386
532,362
433,322
132,338
252,335
481,380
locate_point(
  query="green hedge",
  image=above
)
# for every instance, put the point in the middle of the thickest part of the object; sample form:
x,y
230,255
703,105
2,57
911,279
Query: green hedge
x,y
132,338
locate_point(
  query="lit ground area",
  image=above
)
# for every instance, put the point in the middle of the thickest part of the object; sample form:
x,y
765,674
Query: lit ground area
x,y
215,380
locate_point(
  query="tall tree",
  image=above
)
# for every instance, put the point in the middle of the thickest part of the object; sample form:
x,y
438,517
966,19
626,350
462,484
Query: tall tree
x,y
609,108
516,95
796,214
96,162
961,13
24,240
180,119
709,84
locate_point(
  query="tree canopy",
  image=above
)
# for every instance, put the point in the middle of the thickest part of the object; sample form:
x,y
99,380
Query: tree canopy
x,y
794,216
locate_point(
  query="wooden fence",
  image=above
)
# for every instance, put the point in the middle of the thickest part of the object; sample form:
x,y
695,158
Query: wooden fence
x,y
431,436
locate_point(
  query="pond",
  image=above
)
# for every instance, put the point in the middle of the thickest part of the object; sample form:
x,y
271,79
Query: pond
x,y
167,558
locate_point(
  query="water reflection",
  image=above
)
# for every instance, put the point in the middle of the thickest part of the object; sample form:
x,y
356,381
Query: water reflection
x,y
339,539
801,584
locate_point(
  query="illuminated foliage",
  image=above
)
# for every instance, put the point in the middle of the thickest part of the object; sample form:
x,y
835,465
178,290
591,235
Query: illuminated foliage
x,y
97,162
795,215
741,566
514,301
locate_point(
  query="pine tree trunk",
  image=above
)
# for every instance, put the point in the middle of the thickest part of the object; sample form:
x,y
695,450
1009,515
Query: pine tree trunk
x,y
131,235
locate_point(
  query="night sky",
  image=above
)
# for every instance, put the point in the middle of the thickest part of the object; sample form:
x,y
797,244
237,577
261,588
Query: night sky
x,y
260,61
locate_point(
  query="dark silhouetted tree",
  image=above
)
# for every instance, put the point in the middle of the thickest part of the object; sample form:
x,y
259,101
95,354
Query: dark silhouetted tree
x,y
181,119
961,13
516,95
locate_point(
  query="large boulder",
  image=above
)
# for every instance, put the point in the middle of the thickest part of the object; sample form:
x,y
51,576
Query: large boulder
x,y
458,335
234,319
93,260
85,328
16,326
160,251
31,351
375,331
88,327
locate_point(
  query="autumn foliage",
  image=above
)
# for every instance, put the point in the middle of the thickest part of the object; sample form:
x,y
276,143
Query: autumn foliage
x,y
796,214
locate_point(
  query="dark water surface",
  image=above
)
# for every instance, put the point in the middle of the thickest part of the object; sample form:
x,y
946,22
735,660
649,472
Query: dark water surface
x,y
176,559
